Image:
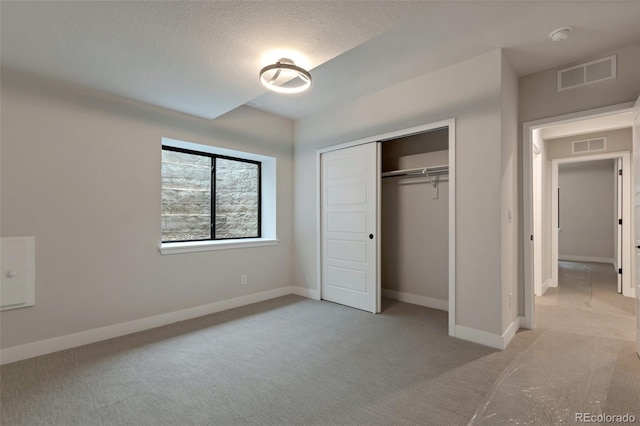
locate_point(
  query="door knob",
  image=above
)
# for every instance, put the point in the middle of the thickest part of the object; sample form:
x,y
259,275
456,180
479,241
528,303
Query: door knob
x,y
371,237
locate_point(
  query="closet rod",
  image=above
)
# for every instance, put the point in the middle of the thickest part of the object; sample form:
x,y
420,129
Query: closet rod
x,y
422,171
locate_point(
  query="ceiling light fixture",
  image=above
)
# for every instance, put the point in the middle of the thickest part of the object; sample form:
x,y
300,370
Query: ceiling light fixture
x,y
560,34
280,76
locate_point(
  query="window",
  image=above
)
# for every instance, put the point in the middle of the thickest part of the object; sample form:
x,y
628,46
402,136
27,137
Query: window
x,y
208,196
239,188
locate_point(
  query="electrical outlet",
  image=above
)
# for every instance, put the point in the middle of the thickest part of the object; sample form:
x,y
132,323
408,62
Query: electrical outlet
x,y
243,279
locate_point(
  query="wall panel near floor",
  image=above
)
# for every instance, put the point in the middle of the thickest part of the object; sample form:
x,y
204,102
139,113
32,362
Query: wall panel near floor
x,y
81,172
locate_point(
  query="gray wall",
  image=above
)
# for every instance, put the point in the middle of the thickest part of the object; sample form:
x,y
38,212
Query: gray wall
x,y
617,140
470,92
587,209
81,171
538,98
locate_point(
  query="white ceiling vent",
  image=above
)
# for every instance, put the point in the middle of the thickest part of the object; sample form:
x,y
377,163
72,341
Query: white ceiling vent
x,y
587,73
589,145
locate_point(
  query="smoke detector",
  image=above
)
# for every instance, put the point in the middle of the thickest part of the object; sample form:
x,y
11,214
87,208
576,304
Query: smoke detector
x,y
560,34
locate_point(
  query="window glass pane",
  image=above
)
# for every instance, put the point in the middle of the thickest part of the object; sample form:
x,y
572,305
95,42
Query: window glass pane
x,y
186,196
236,199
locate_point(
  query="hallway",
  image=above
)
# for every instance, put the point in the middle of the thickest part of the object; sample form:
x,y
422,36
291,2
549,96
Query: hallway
x,y
587,302
583,360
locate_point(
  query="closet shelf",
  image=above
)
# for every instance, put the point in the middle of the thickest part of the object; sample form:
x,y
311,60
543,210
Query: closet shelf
x,y
421,172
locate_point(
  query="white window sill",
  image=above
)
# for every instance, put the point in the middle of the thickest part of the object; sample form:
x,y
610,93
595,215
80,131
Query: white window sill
x,y
195,246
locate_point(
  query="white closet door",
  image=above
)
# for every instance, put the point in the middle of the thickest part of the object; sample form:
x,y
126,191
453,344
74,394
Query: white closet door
x,y
349,226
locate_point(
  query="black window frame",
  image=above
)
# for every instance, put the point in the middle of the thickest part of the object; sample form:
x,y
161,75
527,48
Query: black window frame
x,y
212,204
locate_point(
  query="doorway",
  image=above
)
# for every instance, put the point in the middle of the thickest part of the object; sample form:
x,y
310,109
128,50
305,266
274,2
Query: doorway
x,y
540,237
591,211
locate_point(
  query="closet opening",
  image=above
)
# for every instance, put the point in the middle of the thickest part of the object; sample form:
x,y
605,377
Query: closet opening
x,y
387,209
414,250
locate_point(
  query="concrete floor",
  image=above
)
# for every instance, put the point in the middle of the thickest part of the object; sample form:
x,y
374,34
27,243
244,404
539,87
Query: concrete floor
x,y
583,361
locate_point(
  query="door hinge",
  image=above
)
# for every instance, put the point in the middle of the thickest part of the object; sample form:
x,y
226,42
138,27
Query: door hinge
x,y
620,172
531,237
619,221
620,271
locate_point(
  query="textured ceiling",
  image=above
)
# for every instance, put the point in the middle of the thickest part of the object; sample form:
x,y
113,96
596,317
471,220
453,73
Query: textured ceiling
x,y
202,58
450,32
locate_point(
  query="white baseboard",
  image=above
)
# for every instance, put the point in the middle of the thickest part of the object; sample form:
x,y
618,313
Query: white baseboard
x,y
545,286
306,292
511,331
429,302
43,347
489,339
587,259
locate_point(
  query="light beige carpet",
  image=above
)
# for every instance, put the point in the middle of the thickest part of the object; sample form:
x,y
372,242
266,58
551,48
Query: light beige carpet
x,y
295,361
